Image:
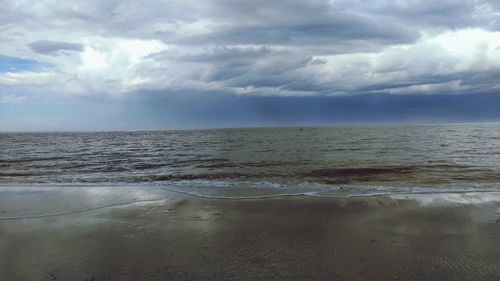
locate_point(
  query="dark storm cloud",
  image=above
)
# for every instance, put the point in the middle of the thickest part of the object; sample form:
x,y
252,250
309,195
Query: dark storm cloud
x,y
267,22
261,22
336,27
47,47
262,62
335,32
225,54
334,23
242,66
227,110
258,22
282,47
449,13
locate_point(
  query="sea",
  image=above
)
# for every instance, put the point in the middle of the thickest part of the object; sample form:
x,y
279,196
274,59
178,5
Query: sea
x,y
259,162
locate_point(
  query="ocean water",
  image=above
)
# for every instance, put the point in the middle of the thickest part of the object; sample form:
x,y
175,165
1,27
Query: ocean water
x,y
252,162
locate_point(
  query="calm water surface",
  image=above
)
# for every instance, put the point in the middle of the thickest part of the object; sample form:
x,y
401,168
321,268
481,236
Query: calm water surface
x,y
266,161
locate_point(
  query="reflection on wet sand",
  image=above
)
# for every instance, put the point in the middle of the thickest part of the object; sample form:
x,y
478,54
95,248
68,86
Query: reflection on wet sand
x,y
166,236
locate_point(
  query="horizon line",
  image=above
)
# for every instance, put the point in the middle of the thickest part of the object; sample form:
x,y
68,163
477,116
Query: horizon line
x,y
339,125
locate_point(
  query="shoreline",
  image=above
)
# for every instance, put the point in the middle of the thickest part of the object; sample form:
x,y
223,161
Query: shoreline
x,y
170,236
19,189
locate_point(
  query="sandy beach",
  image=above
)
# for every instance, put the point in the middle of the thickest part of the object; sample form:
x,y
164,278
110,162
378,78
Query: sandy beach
x,y
146,234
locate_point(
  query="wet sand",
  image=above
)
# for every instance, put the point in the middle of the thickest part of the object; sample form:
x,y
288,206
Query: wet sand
x,y
168,236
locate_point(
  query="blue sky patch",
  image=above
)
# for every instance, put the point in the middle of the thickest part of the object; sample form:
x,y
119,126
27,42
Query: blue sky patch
x,y
15,64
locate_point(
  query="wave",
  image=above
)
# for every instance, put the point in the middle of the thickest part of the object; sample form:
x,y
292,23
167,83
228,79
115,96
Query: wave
x,y
403,156
32,159
427,174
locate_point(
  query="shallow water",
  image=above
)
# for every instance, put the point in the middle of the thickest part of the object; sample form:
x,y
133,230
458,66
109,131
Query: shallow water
x,y
262,161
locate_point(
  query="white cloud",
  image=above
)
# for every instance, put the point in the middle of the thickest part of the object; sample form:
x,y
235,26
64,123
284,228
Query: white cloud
x,y
443,57
29,79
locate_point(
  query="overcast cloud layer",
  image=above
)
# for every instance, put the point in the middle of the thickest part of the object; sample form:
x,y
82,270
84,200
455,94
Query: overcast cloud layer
x,y
125,49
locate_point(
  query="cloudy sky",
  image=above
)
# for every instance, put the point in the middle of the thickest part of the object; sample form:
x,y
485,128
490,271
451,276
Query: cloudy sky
x,y
120,64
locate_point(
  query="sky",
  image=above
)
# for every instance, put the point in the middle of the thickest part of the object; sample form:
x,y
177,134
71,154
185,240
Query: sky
x,y
129,65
